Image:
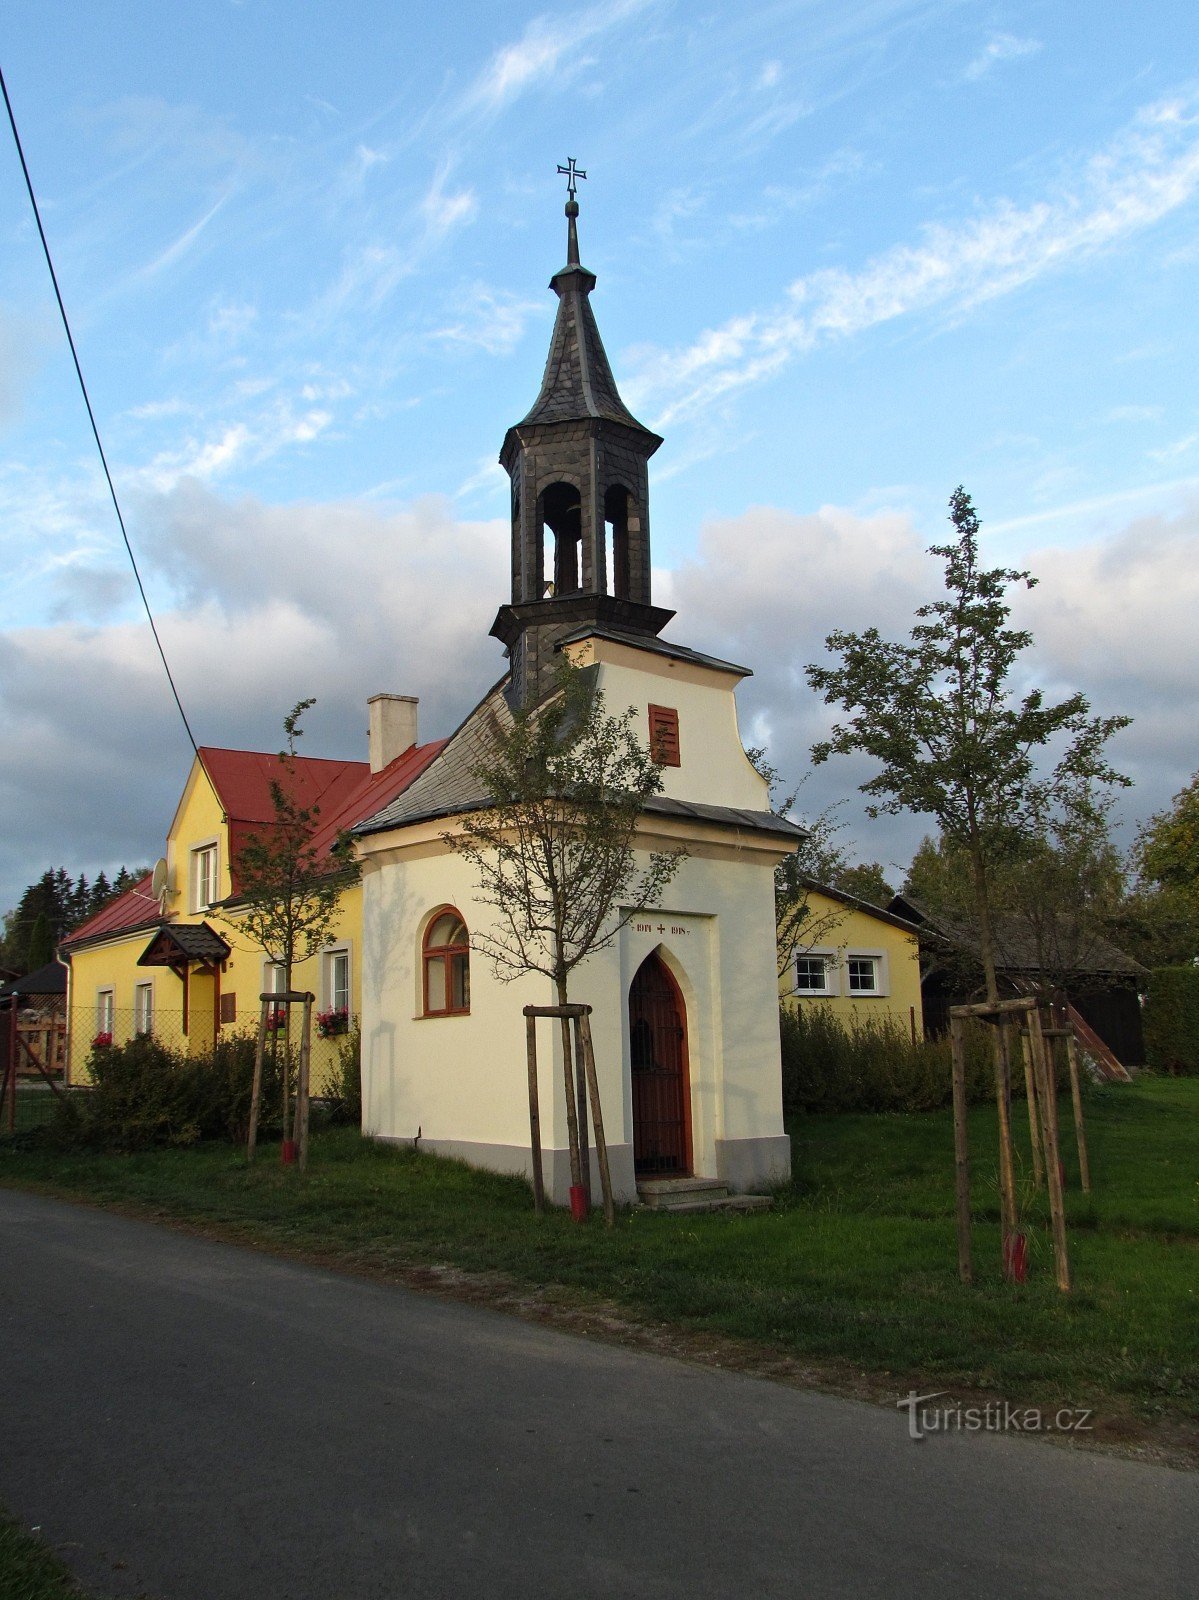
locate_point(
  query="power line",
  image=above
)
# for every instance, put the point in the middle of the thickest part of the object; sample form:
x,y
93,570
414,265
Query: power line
x,y
91,416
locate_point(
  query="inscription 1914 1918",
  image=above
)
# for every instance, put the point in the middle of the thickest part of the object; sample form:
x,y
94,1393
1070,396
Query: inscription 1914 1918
x,y
661,927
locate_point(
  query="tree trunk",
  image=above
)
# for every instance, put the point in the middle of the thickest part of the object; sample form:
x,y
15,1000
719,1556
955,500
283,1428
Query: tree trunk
x,y
572,1120
1009,1215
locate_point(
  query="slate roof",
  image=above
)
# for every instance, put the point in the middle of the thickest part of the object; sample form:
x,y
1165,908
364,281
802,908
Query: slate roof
x,y
658,647
449,787
884,914
1016,945
578,382
194,941
50,979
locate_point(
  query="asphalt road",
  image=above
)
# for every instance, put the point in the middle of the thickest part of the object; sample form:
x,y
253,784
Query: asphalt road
x,y
193,1421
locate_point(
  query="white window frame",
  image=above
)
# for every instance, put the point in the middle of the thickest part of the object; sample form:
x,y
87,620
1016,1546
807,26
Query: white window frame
x,y
143,1008
198,853
329,958
882,975
106,1011
831,973
274,978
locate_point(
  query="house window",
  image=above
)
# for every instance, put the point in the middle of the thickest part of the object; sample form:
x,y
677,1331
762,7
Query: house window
x,y
337,980
143,1008
812,974
863,974
664,736
204,876
104,1015
447,966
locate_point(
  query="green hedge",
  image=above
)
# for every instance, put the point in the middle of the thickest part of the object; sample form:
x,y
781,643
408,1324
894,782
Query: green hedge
x,y
1171,1019
874,1066
144,1093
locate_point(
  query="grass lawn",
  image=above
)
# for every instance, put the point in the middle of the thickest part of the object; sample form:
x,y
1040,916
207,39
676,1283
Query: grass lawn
x,y
28,1571
853,1275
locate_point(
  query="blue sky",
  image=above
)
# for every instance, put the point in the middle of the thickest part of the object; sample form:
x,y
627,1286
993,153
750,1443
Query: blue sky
x,y
849,255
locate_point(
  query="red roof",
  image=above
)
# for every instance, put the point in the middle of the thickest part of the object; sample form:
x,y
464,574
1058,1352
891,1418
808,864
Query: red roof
x,y
374,791
135,908
344,792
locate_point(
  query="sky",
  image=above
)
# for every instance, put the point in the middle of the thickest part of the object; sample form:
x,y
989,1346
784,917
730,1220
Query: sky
x,y
850,253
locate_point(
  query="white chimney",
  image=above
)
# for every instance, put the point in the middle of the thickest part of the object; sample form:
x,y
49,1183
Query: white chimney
x,y
392,727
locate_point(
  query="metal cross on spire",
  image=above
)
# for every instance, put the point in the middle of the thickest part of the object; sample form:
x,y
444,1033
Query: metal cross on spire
x,y
571,173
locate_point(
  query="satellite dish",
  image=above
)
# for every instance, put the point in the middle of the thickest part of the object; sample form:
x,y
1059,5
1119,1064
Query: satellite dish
x,y
159,882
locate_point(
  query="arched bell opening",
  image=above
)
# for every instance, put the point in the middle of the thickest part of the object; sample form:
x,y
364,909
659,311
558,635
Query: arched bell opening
x,y
618,503
659,1070
560,509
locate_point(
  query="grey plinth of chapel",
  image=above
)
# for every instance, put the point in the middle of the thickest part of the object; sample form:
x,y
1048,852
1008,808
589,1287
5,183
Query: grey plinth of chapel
x,y
578,463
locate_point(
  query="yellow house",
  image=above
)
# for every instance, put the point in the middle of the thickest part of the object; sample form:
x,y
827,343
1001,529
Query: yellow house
x,y
861,962
172,956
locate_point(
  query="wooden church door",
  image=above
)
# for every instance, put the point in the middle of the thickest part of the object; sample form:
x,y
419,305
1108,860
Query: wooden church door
x,y
658,1055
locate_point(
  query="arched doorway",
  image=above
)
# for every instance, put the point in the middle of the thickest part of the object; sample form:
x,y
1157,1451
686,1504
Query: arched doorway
x,y
658,1056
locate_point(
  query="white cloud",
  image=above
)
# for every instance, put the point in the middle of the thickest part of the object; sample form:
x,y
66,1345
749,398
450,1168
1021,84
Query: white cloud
x,y
274,604
490,319
1150,170
178,249
1178,447
357,603
541,53
1001,47
444,211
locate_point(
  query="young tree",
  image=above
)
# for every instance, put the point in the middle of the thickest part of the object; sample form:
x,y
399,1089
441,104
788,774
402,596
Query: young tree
x,y
953,738
290,895
956,741
554,851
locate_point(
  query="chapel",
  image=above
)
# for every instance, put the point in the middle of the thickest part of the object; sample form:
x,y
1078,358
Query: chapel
x,y
685,1000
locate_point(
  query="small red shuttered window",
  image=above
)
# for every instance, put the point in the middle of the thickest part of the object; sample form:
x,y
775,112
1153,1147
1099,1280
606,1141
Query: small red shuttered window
x,y
664,736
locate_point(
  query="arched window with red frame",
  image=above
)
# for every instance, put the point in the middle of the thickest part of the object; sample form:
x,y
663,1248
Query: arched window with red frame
x,y
447,965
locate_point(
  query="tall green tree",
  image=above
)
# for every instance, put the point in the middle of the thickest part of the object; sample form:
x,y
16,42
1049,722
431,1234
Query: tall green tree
x,y
952,736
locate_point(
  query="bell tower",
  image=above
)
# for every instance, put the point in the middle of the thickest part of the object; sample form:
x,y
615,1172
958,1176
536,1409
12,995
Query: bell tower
x,y
578,465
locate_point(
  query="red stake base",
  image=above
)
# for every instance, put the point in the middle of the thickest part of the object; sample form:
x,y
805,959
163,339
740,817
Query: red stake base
x,y
578,1203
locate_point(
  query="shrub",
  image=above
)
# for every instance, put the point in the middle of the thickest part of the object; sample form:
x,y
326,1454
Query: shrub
x,y
145,1093
1172,1020
873,1065
343,1090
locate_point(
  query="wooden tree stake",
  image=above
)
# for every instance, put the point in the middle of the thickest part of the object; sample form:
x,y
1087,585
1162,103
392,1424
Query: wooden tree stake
x,y
256,1090
1007,1168
581,1096
303,1084
1034,1121
534,1115
597,1118
961,1150
572,1118
1043,1067
1084,1165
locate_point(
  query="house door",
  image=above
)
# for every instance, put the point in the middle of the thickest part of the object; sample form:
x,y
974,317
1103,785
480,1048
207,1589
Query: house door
x,y
658,1053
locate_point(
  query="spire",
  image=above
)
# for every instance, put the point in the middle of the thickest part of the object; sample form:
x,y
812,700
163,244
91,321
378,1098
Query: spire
x,y
580,494
578,384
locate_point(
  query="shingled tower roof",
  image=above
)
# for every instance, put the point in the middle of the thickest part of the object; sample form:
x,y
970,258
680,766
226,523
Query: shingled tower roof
x,y
578,381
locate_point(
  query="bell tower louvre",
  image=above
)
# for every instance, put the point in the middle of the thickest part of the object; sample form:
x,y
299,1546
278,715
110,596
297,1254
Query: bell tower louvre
x,y
578,465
